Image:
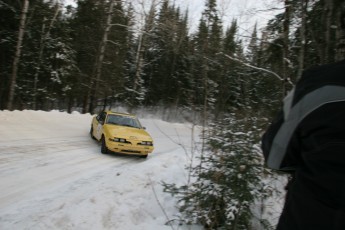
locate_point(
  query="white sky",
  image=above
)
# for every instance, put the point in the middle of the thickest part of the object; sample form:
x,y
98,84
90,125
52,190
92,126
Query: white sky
x,y
247,12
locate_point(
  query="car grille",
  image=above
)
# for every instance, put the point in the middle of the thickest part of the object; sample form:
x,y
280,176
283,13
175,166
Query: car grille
x,y
131,151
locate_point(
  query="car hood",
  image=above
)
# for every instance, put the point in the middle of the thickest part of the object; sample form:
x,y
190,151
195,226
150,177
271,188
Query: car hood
x,y
128,133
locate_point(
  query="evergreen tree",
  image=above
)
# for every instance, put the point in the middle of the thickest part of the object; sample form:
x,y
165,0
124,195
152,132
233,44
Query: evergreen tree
x,y
139,81
133,94
88,26
207,45
229,96
46,56
101,36
168,54
9,24
62,85
119,45
262,89
21,31
230,180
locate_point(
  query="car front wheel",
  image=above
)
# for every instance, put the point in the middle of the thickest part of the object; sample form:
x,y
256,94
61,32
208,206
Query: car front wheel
x,y
91,133
104,148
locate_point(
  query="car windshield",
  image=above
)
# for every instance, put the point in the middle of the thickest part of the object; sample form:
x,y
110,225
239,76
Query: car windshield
x,y
123,120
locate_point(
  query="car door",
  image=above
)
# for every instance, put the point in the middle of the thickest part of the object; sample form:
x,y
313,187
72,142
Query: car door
x,y
99,125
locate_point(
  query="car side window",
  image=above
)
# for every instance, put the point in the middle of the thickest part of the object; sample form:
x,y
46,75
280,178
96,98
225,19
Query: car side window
x,y
101,117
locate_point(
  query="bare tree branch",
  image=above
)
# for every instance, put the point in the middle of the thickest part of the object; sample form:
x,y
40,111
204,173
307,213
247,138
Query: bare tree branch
x,y
160,204
257,68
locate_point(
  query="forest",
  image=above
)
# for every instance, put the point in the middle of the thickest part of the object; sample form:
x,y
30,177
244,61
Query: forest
x,y
99,55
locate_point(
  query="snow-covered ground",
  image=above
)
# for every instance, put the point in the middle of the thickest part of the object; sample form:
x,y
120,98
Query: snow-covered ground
x,y
53,175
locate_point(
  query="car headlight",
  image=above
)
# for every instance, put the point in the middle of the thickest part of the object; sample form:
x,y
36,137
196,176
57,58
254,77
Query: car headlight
x,y
148,143
116,139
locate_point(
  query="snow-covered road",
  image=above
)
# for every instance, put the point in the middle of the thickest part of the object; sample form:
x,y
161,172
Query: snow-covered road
x,y
53,175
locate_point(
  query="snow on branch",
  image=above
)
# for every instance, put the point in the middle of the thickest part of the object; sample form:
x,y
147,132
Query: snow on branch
x,y
257,68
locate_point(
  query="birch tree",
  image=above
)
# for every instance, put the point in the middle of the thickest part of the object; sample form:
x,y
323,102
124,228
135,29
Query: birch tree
x,y
286,32
138,91
17,55
45,34
303,5
100,58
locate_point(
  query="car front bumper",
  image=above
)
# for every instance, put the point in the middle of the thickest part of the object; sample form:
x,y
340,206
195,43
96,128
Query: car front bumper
x,y
132,149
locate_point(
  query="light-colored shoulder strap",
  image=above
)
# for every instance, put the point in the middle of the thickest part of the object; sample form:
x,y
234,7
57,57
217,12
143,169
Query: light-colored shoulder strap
x,y
293,116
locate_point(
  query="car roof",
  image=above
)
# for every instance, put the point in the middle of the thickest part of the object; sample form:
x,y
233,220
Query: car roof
x,y
120,114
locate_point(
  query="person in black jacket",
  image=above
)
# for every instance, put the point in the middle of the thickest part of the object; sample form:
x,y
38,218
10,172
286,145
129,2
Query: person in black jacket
x,y
307,139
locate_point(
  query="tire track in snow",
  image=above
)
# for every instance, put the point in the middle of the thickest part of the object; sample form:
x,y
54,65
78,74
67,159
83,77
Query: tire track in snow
x,y
54,206
39,153
32,167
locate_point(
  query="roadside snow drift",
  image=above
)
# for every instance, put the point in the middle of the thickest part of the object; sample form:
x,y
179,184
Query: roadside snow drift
x,y
53,175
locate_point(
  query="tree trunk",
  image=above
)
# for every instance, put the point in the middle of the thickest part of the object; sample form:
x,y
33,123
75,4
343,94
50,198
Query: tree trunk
x,y
13,79
286,31
304,7
340,34
139,64
38,67
99,64
44,36
329,5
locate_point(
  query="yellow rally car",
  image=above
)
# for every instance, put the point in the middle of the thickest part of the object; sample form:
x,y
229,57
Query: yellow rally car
x,y
121,133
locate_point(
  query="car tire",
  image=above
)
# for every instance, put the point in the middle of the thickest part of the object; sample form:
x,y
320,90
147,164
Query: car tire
x,y
91,133
143,156
104,148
